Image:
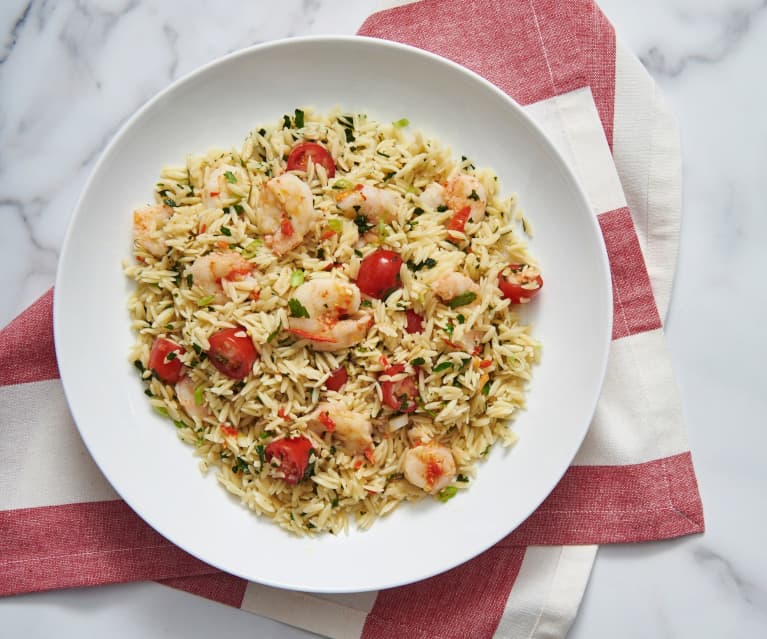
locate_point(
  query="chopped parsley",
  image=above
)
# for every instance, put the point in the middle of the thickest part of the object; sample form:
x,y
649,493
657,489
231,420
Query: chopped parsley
x,y
299,119
473,195
261,454
190,280
461,319
441,208
418,211
296,308
139,365
204,301
241,466
286,122
179,424
239,209
429,262
362,224
418,361
170,202
366,303
443,366
389,176
232,179
462,478
486,451
297,278
226,231
486,389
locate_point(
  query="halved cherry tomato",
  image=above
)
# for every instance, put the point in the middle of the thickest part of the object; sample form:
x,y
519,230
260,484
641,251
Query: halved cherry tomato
x,y
163,360
379,273
298,159
337,379
232,352
293,455
414,321
519,282
402,395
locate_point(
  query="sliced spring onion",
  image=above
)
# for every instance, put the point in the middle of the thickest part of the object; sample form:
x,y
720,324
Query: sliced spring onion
x,y
162,410
230,177
343,185
251,249
443,366
418,361
447,493
335,224
198,396
204,301
463,299
297,278
179,424
403,122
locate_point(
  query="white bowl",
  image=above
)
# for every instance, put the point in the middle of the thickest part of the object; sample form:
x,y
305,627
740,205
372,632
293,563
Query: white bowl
x,y
138,451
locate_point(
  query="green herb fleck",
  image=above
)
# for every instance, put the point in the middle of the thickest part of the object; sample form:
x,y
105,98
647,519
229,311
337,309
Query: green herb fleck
x,y
170,202
334,503
486,451
197,348
336,225
388,176
441,208
473,195
198,398
286,122
449,329
418,211
139,365
171,356
179,424
190,280
296,308
463,299
226,231
251,249
342,185
461,319
274,333
239,209
362,224
230,177
358,253
399,124
443,366
299,119
486,389
418,361
462,478
366,303
204,301
261,454
162,410
241,465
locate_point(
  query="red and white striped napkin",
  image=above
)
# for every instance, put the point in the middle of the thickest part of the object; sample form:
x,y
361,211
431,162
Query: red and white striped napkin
x,y
61,524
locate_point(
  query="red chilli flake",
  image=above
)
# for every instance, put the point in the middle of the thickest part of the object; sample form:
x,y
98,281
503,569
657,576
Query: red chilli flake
x,y
286,227
327,234
383,360
229,430
328,423
281,413
485,363
358,464
369,455
203,228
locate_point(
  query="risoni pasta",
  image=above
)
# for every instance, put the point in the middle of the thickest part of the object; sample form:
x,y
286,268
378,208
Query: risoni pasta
x,y
330,316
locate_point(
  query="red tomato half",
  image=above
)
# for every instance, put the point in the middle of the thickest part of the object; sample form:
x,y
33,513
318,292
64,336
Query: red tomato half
x,y
232,352
402,395
337,379
293,455
379,273
459,219
519,282
163,360
298,159
414,321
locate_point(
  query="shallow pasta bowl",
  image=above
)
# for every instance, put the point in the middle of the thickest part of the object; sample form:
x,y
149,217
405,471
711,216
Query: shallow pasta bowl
x,y
138,451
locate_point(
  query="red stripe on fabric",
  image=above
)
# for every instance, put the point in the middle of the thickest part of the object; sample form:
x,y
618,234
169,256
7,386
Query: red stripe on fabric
x,y
27,353
467,601
617,504
221,587
634,309
84,544
527,49
597,39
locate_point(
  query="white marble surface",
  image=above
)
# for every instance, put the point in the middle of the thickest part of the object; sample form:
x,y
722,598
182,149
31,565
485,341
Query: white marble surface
x,y
72,72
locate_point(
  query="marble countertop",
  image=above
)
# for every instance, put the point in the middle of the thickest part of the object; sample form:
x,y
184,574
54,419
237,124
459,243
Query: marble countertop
x,y
72,72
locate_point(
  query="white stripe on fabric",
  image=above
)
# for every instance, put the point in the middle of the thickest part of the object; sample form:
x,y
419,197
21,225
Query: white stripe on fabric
x,y
44,461
638,418
547,592
572,123
337,616
647,154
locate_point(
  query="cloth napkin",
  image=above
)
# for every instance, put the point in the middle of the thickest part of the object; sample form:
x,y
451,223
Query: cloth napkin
x,y
62,525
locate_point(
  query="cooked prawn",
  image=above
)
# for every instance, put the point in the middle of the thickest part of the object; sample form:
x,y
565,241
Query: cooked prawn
x,y
219,184
287,212
148,223
464,190
431,467
451,285
373,203
210,269
433,195
352,429
335,321
185,396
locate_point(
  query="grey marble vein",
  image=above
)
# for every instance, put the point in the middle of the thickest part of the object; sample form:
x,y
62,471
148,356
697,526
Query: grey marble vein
x,y
13,35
